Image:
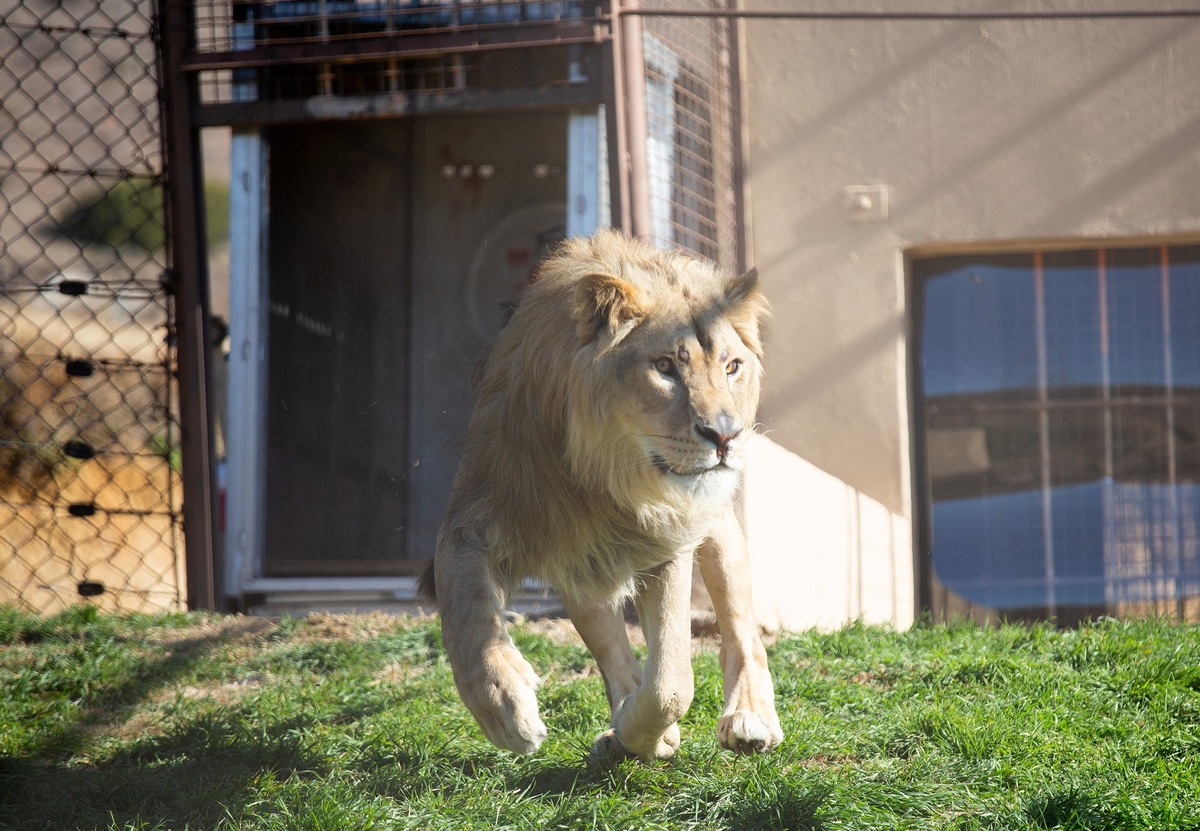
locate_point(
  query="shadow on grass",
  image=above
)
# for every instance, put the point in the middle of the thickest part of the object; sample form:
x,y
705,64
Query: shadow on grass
x,y
189,777
196,792
1074,810
614,793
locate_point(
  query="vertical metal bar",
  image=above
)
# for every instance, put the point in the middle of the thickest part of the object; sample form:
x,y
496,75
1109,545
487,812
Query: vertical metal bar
x,y
737,139
1117,586
1173,524
583,172
193,335
618,157
1039,281
245,446
391,74
633,66
326,69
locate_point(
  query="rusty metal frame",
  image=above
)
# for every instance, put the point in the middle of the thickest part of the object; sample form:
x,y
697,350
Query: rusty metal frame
x,y
394,105
189,284
618,82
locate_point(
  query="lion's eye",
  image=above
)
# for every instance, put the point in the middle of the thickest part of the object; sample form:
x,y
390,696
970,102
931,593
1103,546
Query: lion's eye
x,y
665,365
733,366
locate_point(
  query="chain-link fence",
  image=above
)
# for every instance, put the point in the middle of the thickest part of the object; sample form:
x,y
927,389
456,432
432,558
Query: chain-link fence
x,y
89,471
89,486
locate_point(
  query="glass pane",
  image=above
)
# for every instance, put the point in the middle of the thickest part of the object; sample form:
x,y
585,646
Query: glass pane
x,y
1141,533
1077,445
1074,357
981,445
1135,320
992,550
979,327
1140,445
1185,317
1077,517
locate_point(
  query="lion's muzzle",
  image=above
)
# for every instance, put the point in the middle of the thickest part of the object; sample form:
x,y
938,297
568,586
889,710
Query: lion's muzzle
x,y
721,432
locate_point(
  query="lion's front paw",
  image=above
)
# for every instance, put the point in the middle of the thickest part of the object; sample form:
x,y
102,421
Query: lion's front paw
x,y
501,696
745,731
609,746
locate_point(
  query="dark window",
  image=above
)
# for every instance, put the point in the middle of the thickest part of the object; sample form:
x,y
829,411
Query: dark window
x,y
1060,431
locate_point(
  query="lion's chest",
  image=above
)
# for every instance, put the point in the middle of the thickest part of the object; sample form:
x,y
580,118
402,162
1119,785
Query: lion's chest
x,y
604,556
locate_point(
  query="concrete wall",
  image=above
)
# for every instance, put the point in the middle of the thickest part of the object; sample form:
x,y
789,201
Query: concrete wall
x,y
977,133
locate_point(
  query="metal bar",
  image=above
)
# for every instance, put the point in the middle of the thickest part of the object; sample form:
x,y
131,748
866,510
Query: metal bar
x,y
382,47
633,71
945,16
1108,498
583,172
193,337
1039,281
737,143
245,113
618,156
1174,523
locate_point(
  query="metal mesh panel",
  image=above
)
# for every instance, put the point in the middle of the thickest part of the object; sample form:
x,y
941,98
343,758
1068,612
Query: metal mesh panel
x,y
292,49
89,492
690,122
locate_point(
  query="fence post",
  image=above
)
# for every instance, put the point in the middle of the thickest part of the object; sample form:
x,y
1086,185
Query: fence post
x,y
190,289
633,88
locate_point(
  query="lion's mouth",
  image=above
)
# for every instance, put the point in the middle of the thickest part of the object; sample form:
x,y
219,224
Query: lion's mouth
x,y
665,467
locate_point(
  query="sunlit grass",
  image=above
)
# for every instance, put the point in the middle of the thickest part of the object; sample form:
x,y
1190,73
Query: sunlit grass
x,y
199,721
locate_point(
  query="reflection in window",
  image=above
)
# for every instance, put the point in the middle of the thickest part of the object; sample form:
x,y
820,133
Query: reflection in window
x,y
1061,403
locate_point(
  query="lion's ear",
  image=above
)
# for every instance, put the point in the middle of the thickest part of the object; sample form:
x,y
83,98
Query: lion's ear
x,y
745,306
605,303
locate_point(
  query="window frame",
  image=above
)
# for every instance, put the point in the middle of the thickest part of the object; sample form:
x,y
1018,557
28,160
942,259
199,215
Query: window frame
x,y
922,265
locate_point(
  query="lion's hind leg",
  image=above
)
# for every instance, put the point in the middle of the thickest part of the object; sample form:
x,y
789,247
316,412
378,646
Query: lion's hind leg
x,y
494,680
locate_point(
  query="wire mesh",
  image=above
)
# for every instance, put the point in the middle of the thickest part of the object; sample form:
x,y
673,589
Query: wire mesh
x,y
89,485
690,137
292,49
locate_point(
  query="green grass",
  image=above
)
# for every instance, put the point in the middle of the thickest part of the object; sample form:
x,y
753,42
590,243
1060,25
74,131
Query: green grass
x,y
201,721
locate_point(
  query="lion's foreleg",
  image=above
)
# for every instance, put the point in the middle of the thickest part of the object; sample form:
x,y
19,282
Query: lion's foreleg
x,y
748,722
602,627
494,680
646,724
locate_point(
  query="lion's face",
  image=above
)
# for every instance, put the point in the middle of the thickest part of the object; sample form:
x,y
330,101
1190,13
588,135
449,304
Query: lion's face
x,y
671,366
690,395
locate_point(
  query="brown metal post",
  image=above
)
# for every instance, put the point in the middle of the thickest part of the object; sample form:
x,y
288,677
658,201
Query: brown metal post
x,y
614,98
189,282
633,84
742,255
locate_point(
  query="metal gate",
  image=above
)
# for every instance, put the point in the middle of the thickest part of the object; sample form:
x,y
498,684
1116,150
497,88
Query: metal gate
x,y
90,495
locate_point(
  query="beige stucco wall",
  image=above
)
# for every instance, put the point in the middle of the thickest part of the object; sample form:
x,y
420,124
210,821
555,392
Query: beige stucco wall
x,y
979,132
822,552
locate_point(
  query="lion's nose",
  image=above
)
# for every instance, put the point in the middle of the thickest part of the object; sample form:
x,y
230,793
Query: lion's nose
x,y
720,431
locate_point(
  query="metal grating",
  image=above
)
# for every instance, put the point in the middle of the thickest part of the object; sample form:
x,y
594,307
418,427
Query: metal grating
x,y
280,50
89,484
690,122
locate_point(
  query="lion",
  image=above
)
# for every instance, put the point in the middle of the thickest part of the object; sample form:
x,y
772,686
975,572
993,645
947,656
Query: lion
x,y
603,457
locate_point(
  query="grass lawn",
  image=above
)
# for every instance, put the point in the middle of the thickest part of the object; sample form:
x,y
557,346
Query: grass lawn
x,y
203,721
